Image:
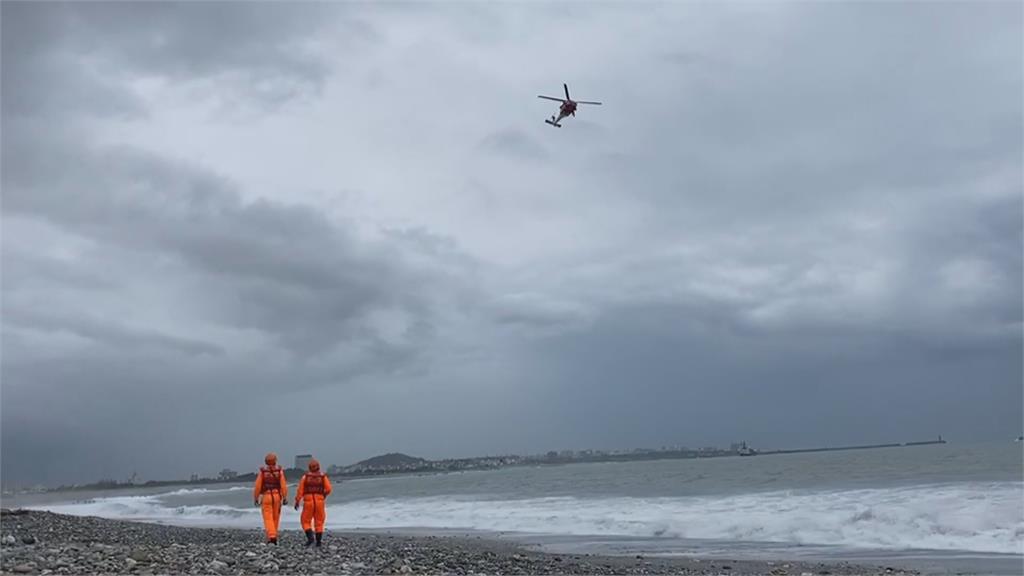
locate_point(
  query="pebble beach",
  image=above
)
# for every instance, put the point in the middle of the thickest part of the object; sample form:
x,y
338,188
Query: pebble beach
x,y
37,542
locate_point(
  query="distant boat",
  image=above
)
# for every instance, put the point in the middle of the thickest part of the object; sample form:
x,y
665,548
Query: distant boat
x,y
1019,439
745,450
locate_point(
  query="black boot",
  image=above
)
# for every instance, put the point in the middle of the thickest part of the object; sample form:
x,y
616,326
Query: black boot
x,y
319,537
273,541
309,538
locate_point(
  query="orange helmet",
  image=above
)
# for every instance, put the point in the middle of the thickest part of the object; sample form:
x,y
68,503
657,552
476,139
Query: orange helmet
x,y
314,466
270,458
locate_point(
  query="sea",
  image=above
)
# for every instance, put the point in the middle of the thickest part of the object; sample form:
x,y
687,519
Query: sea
x,y
941,509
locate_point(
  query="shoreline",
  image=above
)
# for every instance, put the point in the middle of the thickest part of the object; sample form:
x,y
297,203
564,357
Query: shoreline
x,y
38,542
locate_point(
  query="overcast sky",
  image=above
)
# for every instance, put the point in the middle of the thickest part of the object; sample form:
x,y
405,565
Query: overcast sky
x,y
344,229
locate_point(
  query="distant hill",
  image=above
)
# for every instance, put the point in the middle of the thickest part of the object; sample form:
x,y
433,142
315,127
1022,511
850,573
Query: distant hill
x,y
393,459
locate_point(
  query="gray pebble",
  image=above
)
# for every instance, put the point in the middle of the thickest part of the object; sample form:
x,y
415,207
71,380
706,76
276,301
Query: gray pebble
x,y
82,545
140,556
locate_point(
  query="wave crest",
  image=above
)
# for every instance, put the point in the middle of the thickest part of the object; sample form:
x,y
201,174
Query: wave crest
x,y
977,517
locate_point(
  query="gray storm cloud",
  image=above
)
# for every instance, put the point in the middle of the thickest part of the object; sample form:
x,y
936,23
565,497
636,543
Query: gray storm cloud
x,y
233,228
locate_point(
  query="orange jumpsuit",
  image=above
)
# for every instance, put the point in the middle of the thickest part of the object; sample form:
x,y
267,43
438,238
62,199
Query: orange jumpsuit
x,y
314,488
270,484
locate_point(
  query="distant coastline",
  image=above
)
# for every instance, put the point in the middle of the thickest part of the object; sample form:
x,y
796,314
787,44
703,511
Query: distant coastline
x,y
396,464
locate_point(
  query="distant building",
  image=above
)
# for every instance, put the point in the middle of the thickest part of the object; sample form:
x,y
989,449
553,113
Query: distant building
x,y
302,461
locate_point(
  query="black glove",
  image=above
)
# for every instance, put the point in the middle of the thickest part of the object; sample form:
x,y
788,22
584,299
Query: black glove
x,y
256,502
284,502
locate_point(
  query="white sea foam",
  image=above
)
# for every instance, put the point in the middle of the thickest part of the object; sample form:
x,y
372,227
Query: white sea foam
x,y
188,491
152,509
979,517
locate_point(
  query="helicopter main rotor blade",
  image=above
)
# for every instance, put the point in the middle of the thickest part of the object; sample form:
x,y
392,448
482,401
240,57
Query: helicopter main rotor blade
x,y
551,98
566,86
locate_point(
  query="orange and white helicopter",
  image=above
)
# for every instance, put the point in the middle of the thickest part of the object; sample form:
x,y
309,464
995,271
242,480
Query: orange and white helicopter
x,y
568,107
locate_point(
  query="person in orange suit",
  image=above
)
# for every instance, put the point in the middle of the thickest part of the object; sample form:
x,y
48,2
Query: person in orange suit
x,y
314,488
270,492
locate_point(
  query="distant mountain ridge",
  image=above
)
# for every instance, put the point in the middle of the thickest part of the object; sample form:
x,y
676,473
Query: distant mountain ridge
x,y
392,459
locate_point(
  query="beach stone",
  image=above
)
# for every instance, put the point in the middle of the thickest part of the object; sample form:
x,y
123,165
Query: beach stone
x,y
130,562
24,569
224,552
8,539
139,556
29,539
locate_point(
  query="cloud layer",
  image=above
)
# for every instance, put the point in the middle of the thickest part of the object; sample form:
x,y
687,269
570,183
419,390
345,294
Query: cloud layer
x,y
234,228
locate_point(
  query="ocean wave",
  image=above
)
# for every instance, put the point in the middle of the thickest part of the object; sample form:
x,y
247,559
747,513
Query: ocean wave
x,y
190,491
151,509
977,517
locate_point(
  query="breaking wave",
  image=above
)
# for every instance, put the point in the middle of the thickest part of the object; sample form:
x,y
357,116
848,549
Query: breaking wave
x,y
978,517
153,509
188,491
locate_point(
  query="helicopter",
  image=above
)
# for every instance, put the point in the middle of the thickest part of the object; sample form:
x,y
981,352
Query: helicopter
x,y
568,107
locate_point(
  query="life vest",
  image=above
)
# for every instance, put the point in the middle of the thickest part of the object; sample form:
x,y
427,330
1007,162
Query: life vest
x,y
314,483
271,478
